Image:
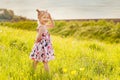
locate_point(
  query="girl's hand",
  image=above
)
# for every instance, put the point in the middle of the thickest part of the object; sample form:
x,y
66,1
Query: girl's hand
x,y
38,39
37,30
49,16
51,24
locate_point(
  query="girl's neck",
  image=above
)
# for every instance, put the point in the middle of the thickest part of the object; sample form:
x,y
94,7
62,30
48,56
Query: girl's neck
x,y
41,24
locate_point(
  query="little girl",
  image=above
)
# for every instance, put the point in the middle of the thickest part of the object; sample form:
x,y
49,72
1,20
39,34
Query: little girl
x,y
42,50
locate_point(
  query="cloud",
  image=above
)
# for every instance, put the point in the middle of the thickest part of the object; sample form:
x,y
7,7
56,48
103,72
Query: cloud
x,y
65,8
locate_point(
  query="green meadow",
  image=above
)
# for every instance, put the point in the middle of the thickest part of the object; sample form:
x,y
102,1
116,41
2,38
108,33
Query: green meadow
x,y
82,51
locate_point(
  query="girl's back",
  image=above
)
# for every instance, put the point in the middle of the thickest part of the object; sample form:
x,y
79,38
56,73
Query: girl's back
x,y
40,31
42,49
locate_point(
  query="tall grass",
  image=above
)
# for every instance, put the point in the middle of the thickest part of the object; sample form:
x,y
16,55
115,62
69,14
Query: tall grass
x,y
74,59
26,25
101,29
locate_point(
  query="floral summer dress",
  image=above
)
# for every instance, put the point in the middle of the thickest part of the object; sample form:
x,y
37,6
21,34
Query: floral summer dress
x,y
43,50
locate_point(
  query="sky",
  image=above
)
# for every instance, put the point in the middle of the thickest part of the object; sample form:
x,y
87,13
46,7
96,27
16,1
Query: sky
x,y
65,9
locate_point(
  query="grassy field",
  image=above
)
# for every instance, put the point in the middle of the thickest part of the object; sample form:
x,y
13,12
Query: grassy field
x,y
74,59
101,30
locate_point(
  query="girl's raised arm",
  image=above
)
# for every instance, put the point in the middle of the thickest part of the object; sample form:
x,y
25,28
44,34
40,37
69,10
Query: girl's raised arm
x,y
51,21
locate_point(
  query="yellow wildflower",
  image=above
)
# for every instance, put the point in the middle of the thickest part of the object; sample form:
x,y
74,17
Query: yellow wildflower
x,y
73,72
34,75
64,70
82,69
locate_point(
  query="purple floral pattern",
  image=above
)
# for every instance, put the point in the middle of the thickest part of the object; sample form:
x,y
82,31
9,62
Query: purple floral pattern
x,y
43,50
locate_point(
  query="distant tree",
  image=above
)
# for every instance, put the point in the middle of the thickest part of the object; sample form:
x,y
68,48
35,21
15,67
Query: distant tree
x,y
8,15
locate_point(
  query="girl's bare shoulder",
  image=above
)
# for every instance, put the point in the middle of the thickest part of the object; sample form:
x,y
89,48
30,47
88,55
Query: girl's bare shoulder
x,y
42,29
